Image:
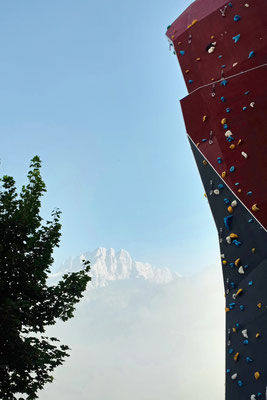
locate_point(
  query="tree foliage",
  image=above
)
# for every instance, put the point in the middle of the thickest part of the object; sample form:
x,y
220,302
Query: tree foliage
x,y
27,303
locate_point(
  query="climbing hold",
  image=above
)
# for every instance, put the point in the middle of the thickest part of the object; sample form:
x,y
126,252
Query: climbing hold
x,y
245,342
179,43
228,109
223,121
253,397
205,162
227,309
182,52
231,351
242,308
245,333
228,133
247,92
204,140
192,23
235,64
250,283
187,71
233,236
224,262
230,209
227,201
232,146
239,190
211,47
239,142
250,220
236,38
252,104
246,5
251,54
234,203
259,305
249,193
237,184
255,207
237,243
220,186
244,154
223,174
234,376
222,99
223,66
224,82
257,335
237,18
241,270
228,239
219,160
240,383
239,292
204,119
190,81
232,306
216,191
244,108
249,360
257,375
253,250
237,262
228,371
198,59
227,221
232,169
232,284
225,126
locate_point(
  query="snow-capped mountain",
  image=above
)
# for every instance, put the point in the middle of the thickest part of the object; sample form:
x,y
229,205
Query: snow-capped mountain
x,y
108,266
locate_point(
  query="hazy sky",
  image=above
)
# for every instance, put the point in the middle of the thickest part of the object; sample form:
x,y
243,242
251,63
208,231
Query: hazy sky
x,y
92,88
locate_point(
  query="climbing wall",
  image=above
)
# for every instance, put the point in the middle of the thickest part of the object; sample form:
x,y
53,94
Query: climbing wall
x,y
222,50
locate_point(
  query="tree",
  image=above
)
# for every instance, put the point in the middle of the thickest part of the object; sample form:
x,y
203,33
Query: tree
x,y
27,303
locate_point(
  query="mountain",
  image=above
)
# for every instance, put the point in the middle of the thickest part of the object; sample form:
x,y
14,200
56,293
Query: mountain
x,y
108,266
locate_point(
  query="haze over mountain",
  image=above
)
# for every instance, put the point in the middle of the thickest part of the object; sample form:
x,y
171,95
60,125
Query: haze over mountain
x,y
138,336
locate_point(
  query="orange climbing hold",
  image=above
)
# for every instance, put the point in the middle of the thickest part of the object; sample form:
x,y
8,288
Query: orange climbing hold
x,y
257,375
232,146
223,174
236,356
187,71
223,121
257,335
233,236
259,305
255,207
204,119
239,142
192,23
237,261
230,209
227,309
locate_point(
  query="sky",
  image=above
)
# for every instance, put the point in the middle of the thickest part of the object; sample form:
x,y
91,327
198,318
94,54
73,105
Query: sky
x,y
92,88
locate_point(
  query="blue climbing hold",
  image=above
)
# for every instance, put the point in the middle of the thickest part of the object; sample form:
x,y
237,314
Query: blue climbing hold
x,y
236,38
245,342
249,193
230,139
232,284
240,383
250,283
242,308
237,18
251,54
247,92
228,109
244,108
231,306
231,351
237,184
219,159
220,186
227,221
250,220
232,266
204,140
224,82
223,66
220,56
245,266
190,81
237,243
227,201
182,52
259,394
228,371
230,4
237,326
223,99
232,169
225,126
249,360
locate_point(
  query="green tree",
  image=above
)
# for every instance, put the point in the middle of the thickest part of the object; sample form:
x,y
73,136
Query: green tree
x,y
27,303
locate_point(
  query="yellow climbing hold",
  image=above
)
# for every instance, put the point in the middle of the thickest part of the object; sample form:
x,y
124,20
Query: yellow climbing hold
x,y
204,119
198,59
198,144
237,261
239,292
236,356
192,23
223,121
257,335
212,79
257,375
239,142
205,162
173,36
259,305
232,146
253,250
212,37
234,330
187,71
230,209
223,174
205,195
224,262
255,207
233,236
239,190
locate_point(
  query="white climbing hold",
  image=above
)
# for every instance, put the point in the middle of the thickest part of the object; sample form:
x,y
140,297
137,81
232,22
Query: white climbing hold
x,y
252,104
234,203
234,376
235,64
253,397
228,239
216,191
246,5
245,333
222,255
228,133
211,49
244,154
241,270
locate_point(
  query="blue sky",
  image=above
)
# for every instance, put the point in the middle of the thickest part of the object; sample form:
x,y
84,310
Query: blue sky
x,y
92,88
